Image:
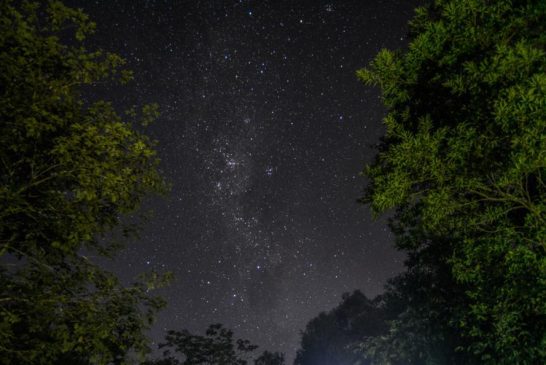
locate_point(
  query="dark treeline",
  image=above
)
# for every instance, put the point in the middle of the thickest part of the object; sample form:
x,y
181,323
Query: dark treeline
x,y
461,168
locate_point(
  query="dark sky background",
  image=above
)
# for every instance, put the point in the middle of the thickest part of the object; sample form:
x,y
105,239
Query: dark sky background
x,y
263,133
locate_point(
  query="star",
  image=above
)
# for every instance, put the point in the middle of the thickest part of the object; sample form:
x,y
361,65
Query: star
x,y
262,135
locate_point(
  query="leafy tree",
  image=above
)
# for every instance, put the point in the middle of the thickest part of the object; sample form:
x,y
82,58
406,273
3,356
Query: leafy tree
x,y
417,306
69,170
330,338
463,165
270,358
217,347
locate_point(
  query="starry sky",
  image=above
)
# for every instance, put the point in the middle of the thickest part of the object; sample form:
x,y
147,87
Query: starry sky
x,y
263,133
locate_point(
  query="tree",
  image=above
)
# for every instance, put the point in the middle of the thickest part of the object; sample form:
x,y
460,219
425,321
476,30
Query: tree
x,y
417,307
270,358
331,338
217,347
69,171
463,164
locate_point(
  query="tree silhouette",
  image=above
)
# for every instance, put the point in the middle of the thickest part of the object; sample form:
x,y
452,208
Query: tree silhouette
x,y
330,338
216,347
270,358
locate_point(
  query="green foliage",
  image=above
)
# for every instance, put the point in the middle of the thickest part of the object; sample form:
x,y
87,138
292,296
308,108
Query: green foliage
x,y
463,165
69,170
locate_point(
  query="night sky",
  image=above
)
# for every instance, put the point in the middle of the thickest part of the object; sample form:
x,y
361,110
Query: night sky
x,y
263,133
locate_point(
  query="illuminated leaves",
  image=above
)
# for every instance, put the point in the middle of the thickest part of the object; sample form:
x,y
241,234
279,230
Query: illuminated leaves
x,y
464,160
70,169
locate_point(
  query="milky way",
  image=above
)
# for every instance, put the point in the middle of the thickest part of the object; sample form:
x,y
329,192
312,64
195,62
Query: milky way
x,y
263,133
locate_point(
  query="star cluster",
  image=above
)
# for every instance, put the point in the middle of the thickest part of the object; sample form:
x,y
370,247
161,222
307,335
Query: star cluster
x,y
263,132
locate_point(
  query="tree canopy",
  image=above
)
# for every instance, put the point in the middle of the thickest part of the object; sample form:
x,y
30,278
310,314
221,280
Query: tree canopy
x,y
461,167
462,164
330,338
270,358
70,169
216,347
